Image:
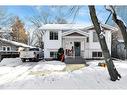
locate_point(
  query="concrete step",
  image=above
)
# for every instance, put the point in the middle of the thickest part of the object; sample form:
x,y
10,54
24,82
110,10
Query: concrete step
x,y
75,60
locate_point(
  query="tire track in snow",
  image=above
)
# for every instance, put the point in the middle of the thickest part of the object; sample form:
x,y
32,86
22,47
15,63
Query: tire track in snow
x,y
17,72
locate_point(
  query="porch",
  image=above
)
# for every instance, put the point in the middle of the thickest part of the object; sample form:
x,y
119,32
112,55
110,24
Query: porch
x,y
75,60
73,43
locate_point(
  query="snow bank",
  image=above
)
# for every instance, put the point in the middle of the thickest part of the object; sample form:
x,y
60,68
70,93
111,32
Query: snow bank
x,y
49,65
10,62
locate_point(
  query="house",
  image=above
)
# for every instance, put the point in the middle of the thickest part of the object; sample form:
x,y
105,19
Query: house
x,y
118,46
120,50
76,40
10,48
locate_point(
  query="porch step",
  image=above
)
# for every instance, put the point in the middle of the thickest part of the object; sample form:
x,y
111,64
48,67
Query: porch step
x,y
76,60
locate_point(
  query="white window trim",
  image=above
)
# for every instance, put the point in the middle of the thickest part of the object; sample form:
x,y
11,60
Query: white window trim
x,y
3,47
97,54
6,48
53,35
53,55
9,47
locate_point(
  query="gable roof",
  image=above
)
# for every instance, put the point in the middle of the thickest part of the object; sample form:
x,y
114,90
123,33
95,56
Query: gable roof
x,y
61,26
5,29
72,26
103,25
15,43
75,31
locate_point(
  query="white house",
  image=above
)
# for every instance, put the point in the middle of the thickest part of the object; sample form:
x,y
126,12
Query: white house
x,y
76,40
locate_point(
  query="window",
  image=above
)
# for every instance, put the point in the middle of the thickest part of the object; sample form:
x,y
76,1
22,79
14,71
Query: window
x,y
99,54
95,37
53,35
53,54
96,54
4,48
87,39
8,48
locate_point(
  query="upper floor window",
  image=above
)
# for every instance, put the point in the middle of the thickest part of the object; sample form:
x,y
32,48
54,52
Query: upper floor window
x,y
53,35
95,37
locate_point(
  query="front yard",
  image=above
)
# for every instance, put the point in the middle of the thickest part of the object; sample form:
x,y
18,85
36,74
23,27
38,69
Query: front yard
x,y
57,75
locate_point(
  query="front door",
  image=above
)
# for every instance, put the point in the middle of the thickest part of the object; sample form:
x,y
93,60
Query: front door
x,y
77,47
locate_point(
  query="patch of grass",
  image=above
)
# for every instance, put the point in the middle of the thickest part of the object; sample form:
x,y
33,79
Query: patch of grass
x,y
73,67
68,68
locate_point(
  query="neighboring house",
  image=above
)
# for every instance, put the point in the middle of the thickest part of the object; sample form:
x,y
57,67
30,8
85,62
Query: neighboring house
x,y
9,48
76,40
118,50
8,45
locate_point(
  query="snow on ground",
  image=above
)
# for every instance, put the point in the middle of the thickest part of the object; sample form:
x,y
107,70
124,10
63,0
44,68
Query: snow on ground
x,y
52,75
11,62
50,65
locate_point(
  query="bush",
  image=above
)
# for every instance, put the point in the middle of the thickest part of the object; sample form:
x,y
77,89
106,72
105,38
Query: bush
x,y
60,53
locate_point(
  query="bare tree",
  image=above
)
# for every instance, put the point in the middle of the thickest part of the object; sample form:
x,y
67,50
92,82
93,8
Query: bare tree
x,y
46,18
6,20
114,75
120,23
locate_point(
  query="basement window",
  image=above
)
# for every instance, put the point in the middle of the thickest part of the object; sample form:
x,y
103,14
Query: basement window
x,y
96,54
53,54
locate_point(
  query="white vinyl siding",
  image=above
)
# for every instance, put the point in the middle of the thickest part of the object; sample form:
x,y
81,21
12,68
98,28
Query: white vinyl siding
x,y
95,38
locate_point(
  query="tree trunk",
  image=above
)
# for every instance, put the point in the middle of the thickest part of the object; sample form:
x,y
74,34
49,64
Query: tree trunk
x,y
114,75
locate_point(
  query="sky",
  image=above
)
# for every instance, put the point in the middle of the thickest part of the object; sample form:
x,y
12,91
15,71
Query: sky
x,y
82,17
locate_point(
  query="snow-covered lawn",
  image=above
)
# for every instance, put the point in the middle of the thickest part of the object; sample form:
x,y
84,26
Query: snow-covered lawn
x,y
57,75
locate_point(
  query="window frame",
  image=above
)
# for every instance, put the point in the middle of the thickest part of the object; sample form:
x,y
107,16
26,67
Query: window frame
x,y
53,35
6,48
3,47
96,54
54,54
